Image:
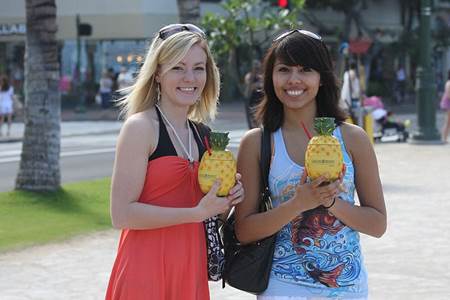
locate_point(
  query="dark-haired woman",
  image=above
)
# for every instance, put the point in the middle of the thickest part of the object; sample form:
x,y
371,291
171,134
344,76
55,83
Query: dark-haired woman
x,y
317,253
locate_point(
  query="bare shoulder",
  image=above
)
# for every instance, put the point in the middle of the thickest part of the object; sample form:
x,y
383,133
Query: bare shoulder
x,y
251,139
140,130
447,85
355,138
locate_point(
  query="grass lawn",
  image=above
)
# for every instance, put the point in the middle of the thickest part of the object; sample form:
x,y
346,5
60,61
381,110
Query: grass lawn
x,y
34,218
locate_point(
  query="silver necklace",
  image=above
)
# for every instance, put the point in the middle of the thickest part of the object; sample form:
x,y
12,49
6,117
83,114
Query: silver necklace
x,y
188,153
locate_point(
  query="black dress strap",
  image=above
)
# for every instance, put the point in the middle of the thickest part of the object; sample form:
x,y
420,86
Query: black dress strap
x,y
165,146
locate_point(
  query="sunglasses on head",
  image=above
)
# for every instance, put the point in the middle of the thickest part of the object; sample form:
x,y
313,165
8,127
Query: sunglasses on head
x,y
301,31
169,30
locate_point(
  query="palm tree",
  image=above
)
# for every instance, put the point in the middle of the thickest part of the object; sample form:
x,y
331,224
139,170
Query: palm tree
x,y
39,164
189,11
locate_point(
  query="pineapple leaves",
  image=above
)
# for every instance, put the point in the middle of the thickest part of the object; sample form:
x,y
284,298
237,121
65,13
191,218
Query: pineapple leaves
x,y
324,126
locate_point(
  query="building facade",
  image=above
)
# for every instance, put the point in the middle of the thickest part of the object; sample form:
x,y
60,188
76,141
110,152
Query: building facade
x,y
121,31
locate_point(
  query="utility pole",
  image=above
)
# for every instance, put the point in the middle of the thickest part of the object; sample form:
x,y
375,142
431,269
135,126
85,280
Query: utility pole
x,y
426,90
80,92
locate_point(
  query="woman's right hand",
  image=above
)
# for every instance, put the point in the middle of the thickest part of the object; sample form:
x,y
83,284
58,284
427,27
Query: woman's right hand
x,y
212,205
309,195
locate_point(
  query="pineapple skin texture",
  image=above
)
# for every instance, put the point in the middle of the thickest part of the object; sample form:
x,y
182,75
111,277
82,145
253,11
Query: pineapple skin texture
x,y
324,155
220,164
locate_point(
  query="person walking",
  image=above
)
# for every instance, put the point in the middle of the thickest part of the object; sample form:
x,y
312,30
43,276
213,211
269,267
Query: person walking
x,y
155,196
350,91
317,224
253,92
105,89
400,84
124,79
6,104
445,106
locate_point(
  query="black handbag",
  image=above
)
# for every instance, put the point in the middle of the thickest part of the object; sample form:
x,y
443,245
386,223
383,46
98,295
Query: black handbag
x,y
247,267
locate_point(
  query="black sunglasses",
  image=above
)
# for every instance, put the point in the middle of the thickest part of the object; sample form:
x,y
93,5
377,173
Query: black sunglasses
x,y
171,29
301,31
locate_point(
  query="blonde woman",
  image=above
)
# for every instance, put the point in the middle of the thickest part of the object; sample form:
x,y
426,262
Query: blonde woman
x,y
155,196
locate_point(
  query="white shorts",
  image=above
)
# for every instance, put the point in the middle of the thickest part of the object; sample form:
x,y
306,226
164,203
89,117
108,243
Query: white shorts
x,y
6,109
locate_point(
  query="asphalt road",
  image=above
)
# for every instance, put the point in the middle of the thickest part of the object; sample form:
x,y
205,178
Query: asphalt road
x,y
82,158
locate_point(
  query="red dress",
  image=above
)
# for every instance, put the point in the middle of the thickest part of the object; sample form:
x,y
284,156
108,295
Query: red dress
x,y
165,263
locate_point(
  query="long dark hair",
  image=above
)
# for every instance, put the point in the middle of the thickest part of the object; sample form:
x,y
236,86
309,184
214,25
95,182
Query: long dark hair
x,y
4,84
299,49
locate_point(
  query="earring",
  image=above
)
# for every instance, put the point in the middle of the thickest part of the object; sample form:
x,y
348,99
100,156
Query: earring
x,y
158,93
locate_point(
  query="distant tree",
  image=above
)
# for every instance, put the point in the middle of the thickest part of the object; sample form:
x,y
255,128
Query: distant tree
x,y
189,11
243,33
352,11
39,164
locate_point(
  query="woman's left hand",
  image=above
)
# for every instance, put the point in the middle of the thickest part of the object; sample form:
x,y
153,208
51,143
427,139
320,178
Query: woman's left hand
x,y
334,188
236,194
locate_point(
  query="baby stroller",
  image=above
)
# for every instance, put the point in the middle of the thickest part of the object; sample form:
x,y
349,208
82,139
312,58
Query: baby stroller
x,y
386,128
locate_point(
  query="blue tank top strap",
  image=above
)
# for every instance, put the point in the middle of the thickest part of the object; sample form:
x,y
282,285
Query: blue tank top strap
x,y
338,134
277,141
281,152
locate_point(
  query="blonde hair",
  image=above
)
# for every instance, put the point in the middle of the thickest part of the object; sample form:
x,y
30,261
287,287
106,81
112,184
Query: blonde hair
x,y
143,94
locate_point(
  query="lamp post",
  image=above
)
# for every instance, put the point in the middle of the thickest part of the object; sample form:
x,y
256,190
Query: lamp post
x,y
426,96
80,108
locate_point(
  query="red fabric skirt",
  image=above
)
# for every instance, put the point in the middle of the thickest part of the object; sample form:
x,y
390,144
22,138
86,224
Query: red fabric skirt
x,y
165,263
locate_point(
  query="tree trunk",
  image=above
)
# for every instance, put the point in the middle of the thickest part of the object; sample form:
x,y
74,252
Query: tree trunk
x,y
39,165
189,11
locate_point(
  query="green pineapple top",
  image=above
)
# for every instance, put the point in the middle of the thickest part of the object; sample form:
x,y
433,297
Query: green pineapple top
x,y
324,126
219,140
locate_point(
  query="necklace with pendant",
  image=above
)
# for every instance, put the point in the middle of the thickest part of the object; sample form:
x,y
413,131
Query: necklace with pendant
x,y
186,152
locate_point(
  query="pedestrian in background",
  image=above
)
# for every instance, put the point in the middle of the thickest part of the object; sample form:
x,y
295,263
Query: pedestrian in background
x,y
317,251
400,84
445,105
6,104
350,92
155,196
105,89
253,92
124,79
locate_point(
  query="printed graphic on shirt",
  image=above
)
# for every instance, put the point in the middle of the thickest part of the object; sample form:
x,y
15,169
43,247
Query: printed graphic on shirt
x,y
315,249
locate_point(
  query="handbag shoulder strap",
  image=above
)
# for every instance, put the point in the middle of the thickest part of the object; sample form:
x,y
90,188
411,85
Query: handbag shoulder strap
x,y
202,131
264,164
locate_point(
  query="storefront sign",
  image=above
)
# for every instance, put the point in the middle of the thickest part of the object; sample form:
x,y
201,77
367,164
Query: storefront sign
x,y
12,29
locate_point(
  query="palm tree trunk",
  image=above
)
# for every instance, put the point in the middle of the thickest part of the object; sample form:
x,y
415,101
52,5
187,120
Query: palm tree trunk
x,y
189,11
39,165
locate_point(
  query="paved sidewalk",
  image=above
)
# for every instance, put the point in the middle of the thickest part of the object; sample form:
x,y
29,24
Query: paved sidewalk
x,y
411,261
